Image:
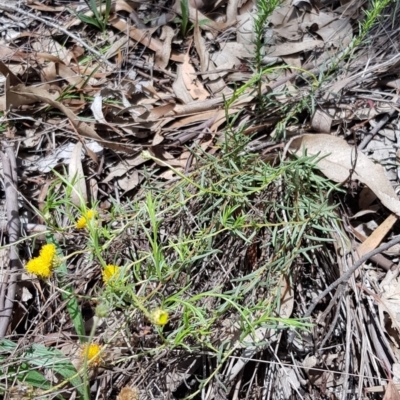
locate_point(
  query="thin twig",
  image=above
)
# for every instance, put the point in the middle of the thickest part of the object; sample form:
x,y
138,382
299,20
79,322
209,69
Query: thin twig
x,y
346,276
8,7
10,183
377,128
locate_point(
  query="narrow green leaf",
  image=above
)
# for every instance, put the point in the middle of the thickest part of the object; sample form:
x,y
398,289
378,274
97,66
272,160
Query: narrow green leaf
x,y
68,294
89,20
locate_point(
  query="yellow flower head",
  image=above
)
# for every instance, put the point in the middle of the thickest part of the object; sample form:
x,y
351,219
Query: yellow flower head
x,y
81,223
47,253
90,214
92,353
159,317
42,266
39,267
110,272
83,220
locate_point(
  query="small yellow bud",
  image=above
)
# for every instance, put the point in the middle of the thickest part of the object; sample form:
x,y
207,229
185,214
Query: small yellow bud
x,y
159,317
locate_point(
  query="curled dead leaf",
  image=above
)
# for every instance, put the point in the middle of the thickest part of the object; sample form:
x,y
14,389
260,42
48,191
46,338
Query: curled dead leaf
x,y
337,159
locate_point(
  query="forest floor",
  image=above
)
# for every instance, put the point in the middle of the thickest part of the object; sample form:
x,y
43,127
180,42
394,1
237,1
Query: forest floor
x,y
199,199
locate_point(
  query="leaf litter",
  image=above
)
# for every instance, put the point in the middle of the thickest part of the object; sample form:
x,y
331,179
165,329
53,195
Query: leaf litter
x,y
152,89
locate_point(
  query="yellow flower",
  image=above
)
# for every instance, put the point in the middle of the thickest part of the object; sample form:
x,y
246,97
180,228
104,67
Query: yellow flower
x,y
39,267
92,352
110,272
83,220
81,223
47,253
42,266
159,317
90,214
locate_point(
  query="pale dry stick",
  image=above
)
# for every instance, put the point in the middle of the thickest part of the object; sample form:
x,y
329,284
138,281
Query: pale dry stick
x,y
379,353
238,386
332,327
347,275
349,332
11,8
376,328
10,183
269,373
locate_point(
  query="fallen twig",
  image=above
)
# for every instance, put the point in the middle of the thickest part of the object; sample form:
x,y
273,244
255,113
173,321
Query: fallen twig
x,y
377,128
9,284
346,276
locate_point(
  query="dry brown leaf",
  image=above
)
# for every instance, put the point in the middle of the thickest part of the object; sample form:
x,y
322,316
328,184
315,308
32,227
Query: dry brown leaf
x,y
157,139
142,37
391,392
59,69
36,5
215,81
321,121
287,298
191,120
13,99
39,94
163,55
245,28
294,60
179,86
76,175
93,189
44,44
336,160
160,153
11,54
124,166
337,33
192,83
129,181
161,111
231,11
374,240
14,80
201,48
389,303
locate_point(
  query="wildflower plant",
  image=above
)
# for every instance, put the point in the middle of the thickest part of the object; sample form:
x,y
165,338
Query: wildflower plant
x,y
190,239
